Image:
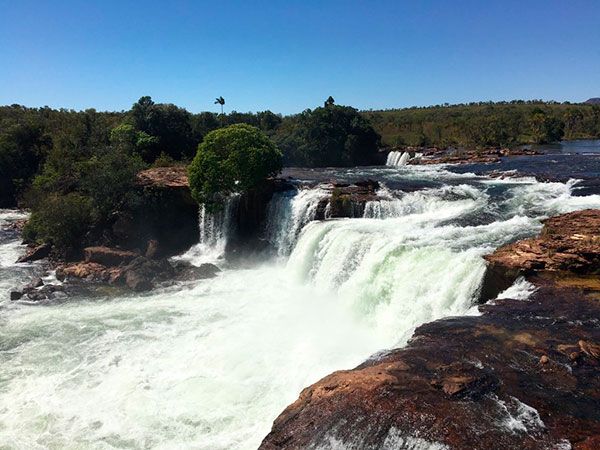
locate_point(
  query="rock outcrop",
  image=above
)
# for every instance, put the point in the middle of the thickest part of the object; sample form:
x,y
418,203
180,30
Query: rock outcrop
x,y
347,200
524,374
35,253
569,243
167,216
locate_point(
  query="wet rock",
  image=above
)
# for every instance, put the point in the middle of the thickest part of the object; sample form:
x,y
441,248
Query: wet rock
x,y
15,295
36,253
138,281
108,256
568,243
460,382
36,282
476,382
142,273
152,249
188,272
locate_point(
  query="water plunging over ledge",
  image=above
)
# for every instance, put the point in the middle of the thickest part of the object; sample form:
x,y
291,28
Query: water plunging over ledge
x,y
210,365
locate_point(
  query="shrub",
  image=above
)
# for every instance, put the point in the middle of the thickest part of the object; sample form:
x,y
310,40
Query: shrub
x,y
61,220
232,159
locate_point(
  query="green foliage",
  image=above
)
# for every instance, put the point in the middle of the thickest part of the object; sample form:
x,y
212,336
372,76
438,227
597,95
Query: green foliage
x,y
486,124
232,159
328,136
107,179
22,149
131,141
62,220
168,124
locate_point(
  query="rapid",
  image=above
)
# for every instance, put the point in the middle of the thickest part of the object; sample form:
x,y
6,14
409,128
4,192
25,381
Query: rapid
x,y
210,364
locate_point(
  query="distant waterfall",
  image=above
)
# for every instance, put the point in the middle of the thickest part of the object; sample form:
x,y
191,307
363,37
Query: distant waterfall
x,y
397,159
288,212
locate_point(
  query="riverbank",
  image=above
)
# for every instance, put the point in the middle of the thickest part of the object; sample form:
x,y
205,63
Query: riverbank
x,y
523,373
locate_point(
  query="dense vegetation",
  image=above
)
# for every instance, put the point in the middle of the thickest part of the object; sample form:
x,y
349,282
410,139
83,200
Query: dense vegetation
x,y
328,136
232,159
75,169
488,124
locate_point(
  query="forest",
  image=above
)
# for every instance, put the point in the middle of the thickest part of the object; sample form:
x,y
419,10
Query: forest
x,y
89,157
486,124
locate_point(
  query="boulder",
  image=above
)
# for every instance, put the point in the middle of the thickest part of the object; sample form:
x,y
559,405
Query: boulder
x,y
188,272
472,382
15,295
108,256
36,253
569,243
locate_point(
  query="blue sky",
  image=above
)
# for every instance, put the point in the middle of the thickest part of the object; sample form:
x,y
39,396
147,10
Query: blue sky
x,y
290,55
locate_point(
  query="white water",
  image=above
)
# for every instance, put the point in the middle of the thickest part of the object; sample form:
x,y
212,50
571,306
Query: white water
x,y
215,228
209,366
397,158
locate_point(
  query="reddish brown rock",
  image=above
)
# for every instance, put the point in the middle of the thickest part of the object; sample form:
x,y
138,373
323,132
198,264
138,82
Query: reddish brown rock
x,y
91,271
108,256
569,243
165,177
465,382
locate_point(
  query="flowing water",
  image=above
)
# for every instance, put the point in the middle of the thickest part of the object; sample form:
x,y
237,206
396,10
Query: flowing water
x,y
209,365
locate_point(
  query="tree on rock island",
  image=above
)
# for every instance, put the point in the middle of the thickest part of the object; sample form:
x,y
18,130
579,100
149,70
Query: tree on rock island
x,y
230,160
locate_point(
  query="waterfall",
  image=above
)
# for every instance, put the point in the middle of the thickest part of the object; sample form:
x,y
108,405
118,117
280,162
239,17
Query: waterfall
x,y
243,345
397,158
287,213
215,228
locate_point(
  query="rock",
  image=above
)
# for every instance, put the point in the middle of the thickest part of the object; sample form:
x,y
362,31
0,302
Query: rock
x,y
142,273
188,272
568,243
108,256
36,296
544,360
36,253
590,349
138,281
165,177
457,380
36,282
15,295
90,271
152,249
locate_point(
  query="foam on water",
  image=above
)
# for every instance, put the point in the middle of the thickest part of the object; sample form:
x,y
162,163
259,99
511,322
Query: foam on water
x,y
211,364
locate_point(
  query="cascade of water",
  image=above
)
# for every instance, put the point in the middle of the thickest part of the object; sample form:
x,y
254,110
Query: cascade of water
x,y
244,344
397,158
288,212
215,228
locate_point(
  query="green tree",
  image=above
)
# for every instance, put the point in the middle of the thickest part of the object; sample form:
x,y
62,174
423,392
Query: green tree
x,y
328,136
232,159
62,220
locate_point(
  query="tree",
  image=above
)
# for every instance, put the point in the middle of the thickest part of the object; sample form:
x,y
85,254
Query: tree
x,y
329,102
233,159
220,101
169,125
328,136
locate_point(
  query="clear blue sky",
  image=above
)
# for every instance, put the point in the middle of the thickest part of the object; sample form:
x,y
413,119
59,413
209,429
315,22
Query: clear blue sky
x,y
290,55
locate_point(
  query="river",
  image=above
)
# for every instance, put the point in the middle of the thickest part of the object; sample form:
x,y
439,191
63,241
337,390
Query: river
x,y
210,364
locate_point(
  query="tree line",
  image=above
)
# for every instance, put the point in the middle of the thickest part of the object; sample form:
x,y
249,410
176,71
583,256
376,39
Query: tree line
x,y
76,169
486,124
